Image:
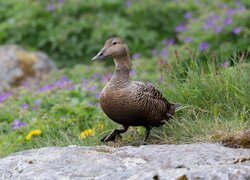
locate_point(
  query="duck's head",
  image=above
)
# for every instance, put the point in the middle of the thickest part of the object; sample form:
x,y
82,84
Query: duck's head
x,y
115,48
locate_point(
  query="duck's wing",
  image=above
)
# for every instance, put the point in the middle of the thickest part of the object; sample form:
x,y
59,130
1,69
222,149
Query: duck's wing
x,y
155,105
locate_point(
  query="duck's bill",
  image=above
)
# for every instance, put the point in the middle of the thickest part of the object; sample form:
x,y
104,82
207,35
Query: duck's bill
x,y
99,56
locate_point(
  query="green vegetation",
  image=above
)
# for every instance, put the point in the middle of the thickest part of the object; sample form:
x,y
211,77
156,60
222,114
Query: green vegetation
x,y
195,52
215,100
72,31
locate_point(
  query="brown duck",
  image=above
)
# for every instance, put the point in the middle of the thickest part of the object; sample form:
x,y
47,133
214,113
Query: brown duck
x,y
130,103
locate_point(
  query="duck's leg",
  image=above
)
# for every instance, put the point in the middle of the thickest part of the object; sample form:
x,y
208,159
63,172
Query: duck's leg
x,y
147,132
114,133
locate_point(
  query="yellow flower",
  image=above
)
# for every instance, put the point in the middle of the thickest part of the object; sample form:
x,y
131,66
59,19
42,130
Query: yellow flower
x,y
86,133
32,133
100,126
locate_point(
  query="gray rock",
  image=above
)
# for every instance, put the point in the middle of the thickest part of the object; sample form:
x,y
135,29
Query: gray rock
x,y
18,65
191,161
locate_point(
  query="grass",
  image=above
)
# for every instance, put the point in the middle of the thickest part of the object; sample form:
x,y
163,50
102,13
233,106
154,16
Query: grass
x,y
215,100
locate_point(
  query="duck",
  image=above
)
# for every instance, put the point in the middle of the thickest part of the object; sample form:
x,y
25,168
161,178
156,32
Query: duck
x,y
127,102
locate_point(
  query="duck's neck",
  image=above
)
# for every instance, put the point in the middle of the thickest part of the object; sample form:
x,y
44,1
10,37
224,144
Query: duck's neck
x,y
122,67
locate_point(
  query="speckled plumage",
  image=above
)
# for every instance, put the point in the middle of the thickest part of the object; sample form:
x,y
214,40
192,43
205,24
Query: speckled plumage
x,y
130,103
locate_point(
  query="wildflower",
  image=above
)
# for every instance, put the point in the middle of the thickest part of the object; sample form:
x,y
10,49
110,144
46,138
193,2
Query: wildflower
x,y
132,72
188,15
100,126
242,8
46,87
180,28
97,104
33,133
18,124
154,51
164,53
85,82
106,77
136,56
203,46
161,79
50,7
228,20
171,41
188,39
4,96
91,88
96,75
25,106
128,3
36,103
225,64
209,22
230,11
205,27
64,82
86,133
218,29
237,30
98,95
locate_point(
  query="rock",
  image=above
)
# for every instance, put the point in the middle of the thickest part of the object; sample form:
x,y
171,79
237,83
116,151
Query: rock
x,y
191,161
18,65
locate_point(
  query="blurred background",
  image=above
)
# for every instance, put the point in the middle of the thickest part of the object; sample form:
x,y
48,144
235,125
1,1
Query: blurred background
x,y
72,31
196,52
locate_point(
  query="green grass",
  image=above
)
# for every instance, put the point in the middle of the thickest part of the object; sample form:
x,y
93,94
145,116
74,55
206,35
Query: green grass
x,y
215,100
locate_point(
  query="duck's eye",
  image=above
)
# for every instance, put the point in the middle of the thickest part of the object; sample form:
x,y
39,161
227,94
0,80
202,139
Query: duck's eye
x,y
114,43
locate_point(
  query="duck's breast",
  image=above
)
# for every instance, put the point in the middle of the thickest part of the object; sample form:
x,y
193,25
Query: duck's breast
x,y
118,105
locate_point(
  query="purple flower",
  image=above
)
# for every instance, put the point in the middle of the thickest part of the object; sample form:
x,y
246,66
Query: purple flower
x,y
106,77
168,41
218,29
225,64
228,20
203,46
188,15
4,96
85,82
71,87
230,11
64,82
164,41
50,7
25,106
136,56
180,28
161,79
205,27
128,3
91,88
98,95
237,30
46,87
132,72
97,104
36,104
154,51
60,1
223,6
188,39
209,22
242,8
164,52
96,75
18,124
171,41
